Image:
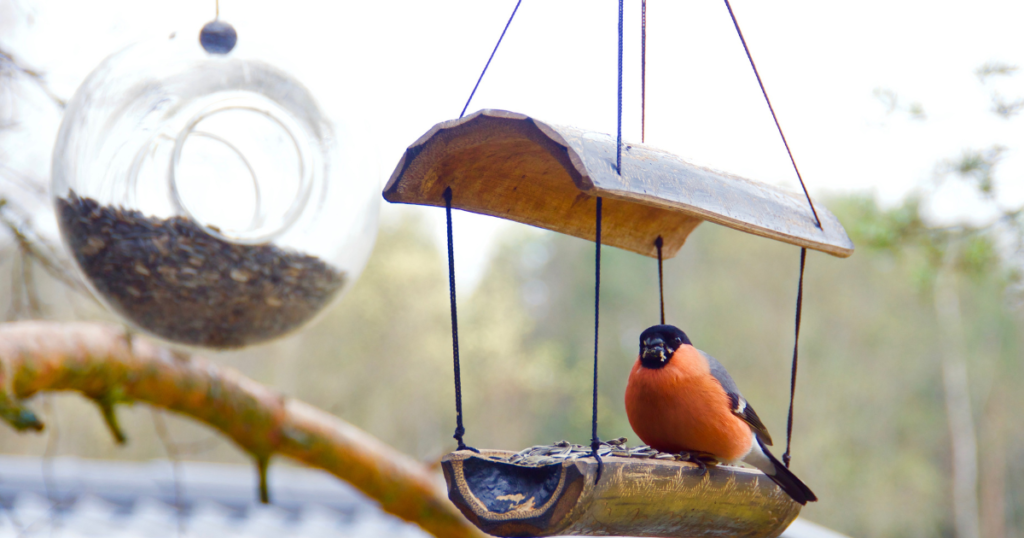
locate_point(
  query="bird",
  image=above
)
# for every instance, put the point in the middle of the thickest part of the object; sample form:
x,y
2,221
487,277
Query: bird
x,y
682,400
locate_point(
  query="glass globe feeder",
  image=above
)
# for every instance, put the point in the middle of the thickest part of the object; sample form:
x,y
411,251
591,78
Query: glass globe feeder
x,y
205,197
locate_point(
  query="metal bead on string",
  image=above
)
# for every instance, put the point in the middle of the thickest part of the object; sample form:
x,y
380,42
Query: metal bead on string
x,y
217,36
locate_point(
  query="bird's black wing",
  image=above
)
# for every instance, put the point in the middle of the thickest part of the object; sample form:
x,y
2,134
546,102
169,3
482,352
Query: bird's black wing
x,y
740,407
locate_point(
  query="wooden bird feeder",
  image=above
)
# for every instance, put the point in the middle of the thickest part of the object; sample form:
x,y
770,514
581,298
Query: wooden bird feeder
x,y
514,167
634,498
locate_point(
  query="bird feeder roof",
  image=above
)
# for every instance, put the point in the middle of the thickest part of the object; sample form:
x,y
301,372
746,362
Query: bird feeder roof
x,y
515,167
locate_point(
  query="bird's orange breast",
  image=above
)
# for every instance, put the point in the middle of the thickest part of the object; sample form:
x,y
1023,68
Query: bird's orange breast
x,y
682,407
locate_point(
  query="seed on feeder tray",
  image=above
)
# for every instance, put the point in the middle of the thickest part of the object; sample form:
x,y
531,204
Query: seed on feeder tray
x,y
539,455
239,276
175,280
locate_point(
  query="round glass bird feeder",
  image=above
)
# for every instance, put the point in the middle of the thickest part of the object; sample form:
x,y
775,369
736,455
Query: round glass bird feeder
x,y
205,197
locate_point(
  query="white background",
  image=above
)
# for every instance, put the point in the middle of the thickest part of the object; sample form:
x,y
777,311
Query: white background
x,y
399,67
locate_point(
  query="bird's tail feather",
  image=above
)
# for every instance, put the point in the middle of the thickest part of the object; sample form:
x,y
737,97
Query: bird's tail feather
x,y
787,480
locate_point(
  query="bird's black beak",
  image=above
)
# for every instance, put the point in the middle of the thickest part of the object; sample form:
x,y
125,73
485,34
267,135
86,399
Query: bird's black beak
x,y
653,351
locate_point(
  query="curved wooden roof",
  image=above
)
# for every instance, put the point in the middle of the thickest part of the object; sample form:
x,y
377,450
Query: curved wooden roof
x,y
514,167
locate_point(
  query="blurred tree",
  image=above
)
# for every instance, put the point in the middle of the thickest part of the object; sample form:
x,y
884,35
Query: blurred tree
x,y
952,252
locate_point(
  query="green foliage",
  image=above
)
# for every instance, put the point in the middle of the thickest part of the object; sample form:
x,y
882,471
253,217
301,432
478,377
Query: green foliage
x,y
900,231
978,256
875,228
892,104
977,167
1001,106
990,69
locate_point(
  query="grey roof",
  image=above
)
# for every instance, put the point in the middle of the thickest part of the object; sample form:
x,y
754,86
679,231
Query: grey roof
x,y
79,498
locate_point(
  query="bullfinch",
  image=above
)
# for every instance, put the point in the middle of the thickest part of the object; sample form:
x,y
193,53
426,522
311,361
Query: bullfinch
x,y
681,400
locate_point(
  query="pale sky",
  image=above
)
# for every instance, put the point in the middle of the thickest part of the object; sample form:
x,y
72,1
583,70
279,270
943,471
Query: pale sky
x,y
397,68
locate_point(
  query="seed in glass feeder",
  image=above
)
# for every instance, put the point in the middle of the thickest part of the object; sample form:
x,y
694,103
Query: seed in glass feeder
x,y
179,282
218,37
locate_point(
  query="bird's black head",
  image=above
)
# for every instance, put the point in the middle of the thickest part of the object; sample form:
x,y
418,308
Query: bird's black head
x,y
658,343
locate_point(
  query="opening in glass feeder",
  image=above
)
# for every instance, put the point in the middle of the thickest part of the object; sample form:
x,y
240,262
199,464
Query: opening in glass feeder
x,y
206,199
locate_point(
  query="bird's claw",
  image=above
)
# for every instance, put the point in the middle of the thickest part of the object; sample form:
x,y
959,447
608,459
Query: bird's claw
x,y
699,459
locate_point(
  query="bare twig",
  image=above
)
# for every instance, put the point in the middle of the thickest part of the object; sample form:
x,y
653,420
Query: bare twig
x,y
21,180
34,246
9,63
28,285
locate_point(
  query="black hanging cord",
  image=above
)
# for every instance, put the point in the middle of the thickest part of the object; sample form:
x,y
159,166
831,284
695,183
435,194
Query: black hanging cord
x,y
643,81
459,429
661,278
659,242
488,64
792,375
618,144
803,251
595,441
770,108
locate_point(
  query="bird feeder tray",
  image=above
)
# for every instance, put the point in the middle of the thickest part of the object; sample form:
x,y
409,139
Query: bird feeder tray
x,y
515,167
635,497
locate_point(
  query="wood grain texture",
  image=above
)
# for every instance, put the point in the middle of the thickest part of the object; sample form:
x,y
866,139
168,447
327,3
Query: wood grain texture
x,y
514,167
636,497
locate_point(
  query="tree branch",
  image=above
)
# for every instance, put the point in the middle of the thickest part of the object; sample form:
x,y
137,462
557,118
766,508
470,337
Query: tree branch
x,y
98,361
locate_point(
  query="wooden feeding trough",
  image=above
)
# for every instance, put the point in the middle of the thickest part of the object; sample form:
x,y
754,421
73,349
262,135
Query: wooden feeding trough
x,y
634,498
514,167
